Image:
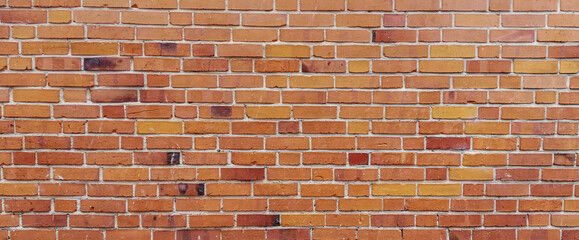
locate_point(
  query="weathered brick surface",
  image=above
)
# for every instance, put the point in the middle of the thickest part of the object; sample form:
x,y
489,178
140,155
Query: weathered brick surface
x,y
286,119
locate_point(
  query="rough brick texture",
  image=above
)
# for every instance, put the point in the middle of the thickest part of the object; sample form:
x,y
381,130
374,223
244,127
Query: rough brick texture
x,y
287,119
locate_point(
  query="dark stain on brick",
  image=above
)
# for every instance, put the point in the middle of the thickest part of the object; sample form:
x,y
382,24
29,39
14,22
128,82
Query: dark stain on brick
x,y
41,141
96,64
221,111
276,221
452,95
171,221
173,158
154,218
374,36
201,189
568,159
125,98
168,48
305,68
258,220
182,187
184,235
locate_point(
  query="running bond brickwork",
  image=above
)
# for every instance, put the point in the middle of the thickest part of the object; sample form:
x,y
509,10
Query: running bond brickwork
x,y
289,119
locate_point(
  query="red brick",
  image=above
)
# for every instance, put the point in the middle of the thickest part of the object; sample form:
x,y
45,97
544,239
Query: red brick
x,y
420,234
448,143
505,220
27,205
23,16
32,234
460,220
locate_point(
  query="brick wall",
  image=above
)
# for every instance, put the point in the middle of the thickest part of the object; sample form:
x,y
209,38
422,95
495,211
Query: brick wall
x,y
289,119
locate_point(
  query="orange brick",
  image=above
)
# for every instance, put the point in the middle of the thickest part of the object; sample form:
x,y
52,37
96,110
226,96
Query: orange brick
x,y
264,20
477,20
32,95
60,32
358,20
287,51
392,189
348,35
452,51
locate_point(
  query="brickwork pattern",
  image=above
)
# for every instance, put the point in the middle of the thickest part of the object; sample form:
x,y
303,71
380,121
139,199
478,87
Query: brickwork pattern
x,y
289,119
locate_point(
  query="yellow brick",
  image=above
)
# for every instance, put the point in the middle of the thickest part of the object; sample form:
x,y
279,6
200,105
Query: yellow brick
x,y
527,66
569,66
287,51
159,127
267,112
471,174
303,220
20,63
276,81
545,97
453,112
3,63
452,51
23,32
487,159
36,95
325,51
572,205
393,189
439,189
487,128
361,66
100,48
565,220
59,16
358,127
